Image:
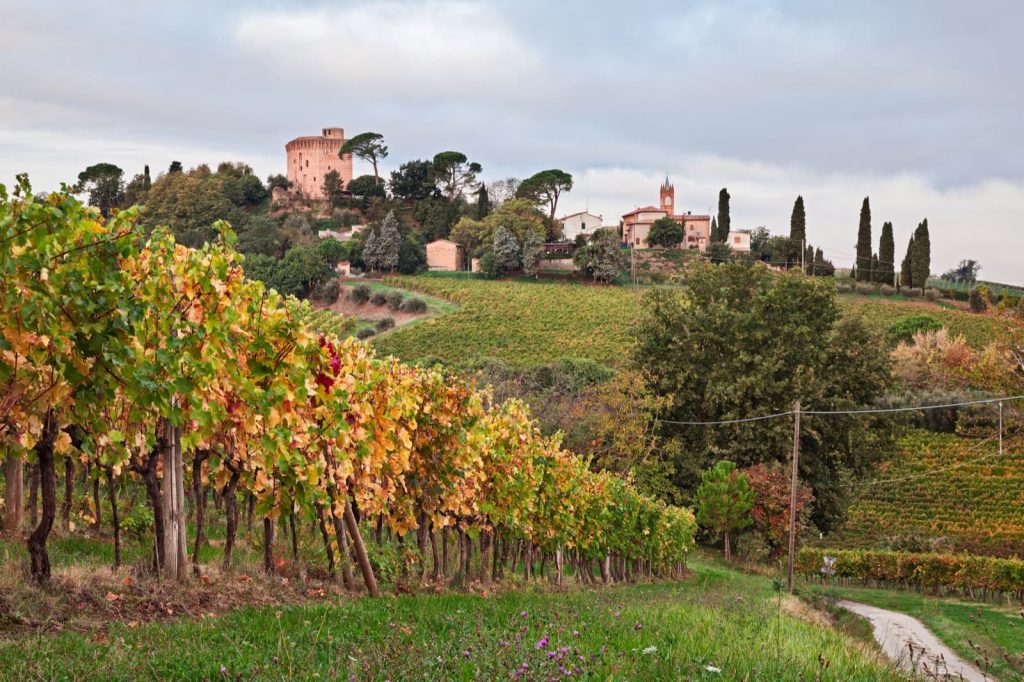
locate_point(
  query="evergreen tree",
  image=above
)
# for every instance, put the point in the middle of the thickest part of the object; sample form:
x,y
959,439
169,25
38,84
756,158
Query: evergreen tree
x,y
714,229
874,268
819,264
483,203
921,258
724,222
371,250
797,232
887,255
864,243
808,260
907,268
506,249
390,243
532,249
724,500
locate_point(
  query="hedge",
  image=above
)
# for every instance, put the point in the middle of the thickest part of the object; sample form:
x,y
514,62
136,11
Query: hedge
x,y
977,577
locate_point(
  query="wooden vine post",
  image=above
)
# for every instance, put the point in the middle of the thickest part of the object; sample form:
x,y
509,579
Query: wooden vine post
x,y
793,497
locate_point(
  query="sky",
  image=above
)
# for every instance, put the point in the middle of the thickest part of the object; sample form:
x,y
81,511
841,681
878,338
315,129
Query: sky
x,y
915,103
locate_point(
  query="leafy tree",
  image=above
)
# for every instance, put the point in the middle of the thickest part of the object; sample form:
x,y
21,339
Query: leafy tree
x,y
366,186
332,250
332,188
263,235
412,181
278,181
105,184
921,258
412,256
455,173
797,231
546,187
190,203
666,232
966,271
724,500
506,249
483,203
771,485
907,268
518,216
489,266
719,252
532,251
390,243
864,243
766,340
436,217
369,147
301,269
175,167
759,241
886,256
504,190
724,221
602,259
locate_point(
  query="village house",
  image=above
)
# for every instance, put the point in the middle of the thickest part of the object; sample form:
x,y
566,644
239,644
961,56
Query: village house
x,y
444,255
575,224
636,225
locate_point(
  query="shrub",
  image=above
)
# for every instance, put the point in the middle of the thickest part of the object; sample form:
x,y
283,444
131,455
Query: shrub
x,y
904,330
384,324
844,289
365,333
414,305
395,299
360,294
933,294
866,289
1020,308
328,291
910,293
978,301
489,266
887,290
379,298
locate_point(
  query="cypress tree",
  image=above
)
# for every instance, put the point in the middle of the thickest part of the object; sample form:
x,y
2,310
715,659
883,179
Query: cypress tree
x,y
887,255
819,263
864,243
714,229
483,203
921,258
724,222
907,268
809,260
797,230
874,275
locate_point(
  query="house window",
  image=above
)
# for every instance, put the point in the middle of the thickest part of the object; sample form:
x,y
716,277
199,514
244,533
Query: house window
x,y
735,240
307,163
583,226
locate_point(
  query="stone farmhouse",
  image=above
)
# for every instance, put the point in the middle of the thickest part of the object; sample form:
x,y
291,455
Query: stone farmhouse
x,y
312,157
636,224
445,256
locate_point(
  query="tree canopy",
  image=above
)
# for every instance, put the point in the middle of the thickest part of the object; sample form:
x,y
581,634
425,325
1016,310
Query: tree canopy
x,y
724,500
104,182
546,187
369,147
666,232
518,216
454,173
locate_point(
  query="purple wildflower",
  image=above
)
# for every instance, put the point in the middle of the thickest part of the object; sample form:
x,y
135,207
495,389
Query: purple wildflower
x,y
541,644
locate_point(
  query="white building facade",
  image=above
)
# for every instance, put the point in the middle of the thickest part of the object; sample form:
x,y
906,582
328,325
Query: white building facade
x,y
575,224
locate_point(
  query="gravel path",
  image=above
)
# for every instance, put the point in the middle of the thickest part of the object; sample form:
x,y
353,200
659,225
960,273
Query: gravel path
x,y
900,634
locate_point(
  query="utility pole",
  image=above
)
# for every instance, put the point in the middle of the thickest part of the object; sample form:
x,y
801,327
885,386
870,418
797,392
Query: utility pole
x,y
1000,429
792,495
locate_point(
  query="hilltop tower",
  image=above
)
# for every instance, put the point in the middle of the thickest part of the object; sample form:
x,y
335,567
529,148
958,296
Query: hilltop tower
x,y
312,157
668,197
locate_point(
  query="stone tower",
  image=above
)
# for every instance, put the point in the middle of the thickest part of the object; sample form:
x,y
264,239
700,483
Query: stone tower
x,y
668,197
312,157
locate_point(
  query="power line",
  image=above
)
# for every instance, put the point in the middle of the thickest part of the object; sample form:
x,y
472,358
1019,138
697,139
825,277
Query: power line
x,y
825,413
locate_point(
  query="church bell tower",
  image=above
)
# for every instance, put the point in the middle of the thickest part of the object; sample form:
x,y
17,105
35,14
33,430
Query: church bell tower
x,y
668,197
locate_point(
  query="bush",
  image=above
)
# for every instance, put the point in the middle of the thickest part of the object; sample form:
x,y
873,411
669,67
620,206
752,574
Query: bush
x,y
385,323
866,289
379,298
414,305
360,294
887,290
489,267
365,333
844,289
910,293
328,291
904,330
978,301
395,299
933,295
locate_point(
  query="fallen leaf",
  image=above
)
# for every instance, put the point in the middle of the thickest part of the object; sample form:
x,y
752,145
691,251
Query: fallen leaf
x,y
111,597
244,578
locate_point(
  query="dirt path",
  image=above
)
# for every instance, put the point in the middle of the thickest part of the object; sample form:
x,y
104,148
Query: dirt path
x,y
907,641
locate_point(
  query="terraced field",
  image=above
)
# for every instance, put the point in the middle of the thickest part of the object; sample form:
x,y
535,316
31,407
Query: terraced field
x,y
941,487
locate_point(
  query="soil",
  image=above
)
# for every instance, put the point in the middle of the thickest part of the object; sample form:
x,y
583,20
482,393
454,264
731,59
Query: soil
x,y
910,644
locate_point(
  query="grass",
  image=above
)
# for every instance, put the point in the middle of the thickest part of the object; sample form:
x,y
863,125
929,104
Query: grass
x,y
718,620
998,632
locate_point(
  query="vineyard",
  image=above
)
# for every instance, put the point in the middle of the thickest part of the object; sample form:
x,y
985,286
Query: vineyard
x,y
880,315
945,492
131,355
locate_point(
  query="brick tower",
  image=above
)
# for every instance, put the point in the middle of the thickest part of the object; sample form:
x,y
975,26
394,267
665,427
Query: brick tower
x,y
668,197
311,158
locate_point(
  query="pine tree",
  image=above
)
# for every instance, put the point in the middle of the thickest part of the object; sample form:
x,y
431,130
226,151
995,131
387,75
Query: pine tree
x,y
724,500
390,242
887,255
797,231
921,258
371,250
724,222
907,268
483,203
864,243
532,249
506,249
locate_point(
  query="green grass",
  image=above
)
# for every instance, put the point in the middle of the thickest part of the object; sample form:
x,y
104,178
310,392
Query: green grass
x,y
999,632
880,313
653,632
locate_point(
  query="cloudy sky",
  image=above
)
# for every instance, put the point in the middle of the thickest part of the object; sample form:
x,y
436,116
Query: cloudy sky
x,y
916,103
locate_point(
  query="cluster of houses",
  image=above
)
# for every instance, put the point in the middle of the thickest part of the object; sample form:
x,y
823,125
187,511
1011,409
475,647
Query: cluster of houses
x,y
636,226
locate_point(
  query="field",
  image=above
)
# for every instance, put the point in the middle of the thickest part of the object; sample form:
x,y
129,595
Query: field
x,y
997,631
718,625
522,322
945,492
881,313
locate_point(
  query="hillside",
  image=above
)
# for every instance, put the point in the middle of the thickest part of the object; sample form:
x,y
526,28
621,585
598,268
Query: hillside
x,y
942,491
527,322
